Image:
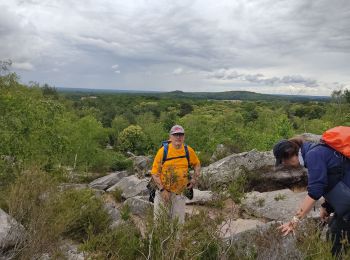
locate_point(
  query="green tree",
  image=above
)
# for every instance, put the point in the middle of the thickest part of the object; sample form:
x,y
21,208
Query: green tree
x,y
133,139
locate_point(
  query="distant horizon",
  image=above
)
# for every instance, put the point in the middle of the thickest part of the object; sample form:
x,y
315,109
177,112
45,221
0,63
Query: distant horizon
x,y
160,91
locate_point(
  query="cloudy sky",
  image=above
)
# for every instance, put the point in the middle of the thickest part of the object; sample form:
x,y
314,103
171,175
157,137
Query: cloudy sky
x,y
267,46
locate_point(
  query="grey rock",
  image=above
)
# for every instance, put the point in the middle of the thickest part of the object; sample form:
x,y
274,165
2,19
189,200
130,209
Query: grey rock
x,y
200,197
11,232
114,213
131,186
107,181
311,137
266,242
258,167
230,167
220,152
139,206
71,251
275,205
230,228
141,165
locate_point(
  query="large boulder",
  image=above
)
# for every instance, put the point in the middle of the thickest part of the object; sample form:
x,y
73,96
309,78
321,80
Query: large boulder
x,y
264,242
11,232
141,165
278,205
107,181
258,167
230,167
200,197
131,186
139,205
276,179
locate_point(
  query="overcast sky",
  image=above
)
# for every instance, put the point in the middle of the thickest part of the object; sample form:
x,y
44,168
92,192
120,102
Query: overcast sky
x,y
266,46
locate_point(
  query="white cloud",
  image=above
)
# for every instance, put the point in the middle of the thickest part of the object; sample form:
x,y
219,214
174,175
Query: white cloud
x,y
23,65
178,71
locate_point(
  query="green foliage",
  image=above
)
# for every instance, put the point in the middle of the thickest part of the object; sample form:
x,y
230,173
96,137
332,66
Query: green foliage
x,y
123,242
125,212
309,242
236,189
82,212
198,238
49,214
132,139
117,195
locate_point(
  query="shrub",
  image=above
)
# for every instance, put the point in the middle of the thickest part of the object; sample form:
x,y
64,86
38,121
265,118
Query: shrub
x,y
132,139
81,212
123,242
237,188
48,215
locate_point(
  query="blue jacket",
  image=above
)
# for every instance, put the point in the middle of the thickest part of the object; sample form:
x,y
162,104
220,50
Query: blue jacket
x,y
319,160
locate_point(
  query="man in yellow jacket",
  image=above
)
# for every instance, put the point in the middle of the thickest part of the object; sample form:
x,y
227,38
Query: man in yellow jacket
x,y
172,175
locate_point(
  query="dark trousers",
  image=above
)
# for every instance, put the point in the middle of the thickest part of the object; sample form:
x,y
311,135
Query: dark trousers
x,y
340,234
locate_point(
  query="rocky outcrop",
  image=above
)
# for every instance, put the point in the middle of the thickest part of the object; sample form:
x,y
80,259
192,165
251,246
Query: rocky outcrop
x,y
131,186
11,232
142,165
258,168
114,213
139,205
107,181
278,205
265,242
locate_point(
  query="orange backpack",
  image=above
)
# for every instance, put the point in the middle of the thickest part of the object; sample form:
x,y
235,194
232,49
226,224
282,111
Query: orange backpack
x,y
339,139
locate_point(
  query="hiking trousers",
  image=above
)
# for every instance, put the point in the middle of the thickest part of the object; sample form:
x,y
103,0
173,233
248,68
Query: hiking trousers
x,y
340,232
175,208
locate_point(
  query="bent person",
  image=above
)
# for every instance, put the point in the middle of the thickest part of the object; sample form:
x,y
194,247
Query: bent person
x,y
170,172
327,168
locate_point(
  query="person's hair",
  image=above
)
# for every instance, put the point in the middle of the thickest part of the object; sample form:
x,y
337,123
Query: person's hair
x,y
293,149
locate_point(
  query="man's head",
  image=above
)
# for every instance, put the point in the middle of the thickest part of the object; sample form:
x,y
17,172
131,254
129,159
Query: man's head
x,y
286,153
177,135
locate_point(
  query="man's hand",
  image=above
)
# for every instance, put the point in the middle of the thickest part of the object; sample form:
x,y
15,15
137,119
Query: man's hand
x,y
165,195
191,184
324,215
287,228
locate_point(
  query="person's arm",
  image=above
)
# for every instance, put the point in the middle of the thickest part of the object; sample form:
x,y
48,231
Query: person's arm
x,y
196,174
304,209
158,182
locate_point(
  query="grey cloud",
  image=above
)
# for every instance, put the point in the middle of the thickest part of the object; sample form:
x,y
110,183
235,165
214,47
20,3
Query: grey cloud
x,y
229,74
204,36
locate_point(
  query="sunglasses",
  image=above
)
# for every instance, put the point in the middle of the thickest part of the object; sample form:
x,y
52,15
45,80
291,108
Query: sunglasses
x,y
178,134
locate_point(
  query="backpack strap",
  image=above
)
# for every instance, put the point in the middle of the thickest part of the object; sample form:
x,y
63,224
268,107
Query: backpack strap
x,y
165,144
187,155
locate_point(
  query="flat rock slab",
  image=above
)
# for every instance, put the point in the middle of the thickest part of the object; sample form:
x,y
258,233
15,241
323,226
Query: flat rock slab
x,y
231,228
131,186
275,205
107,181
139,206
200,197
